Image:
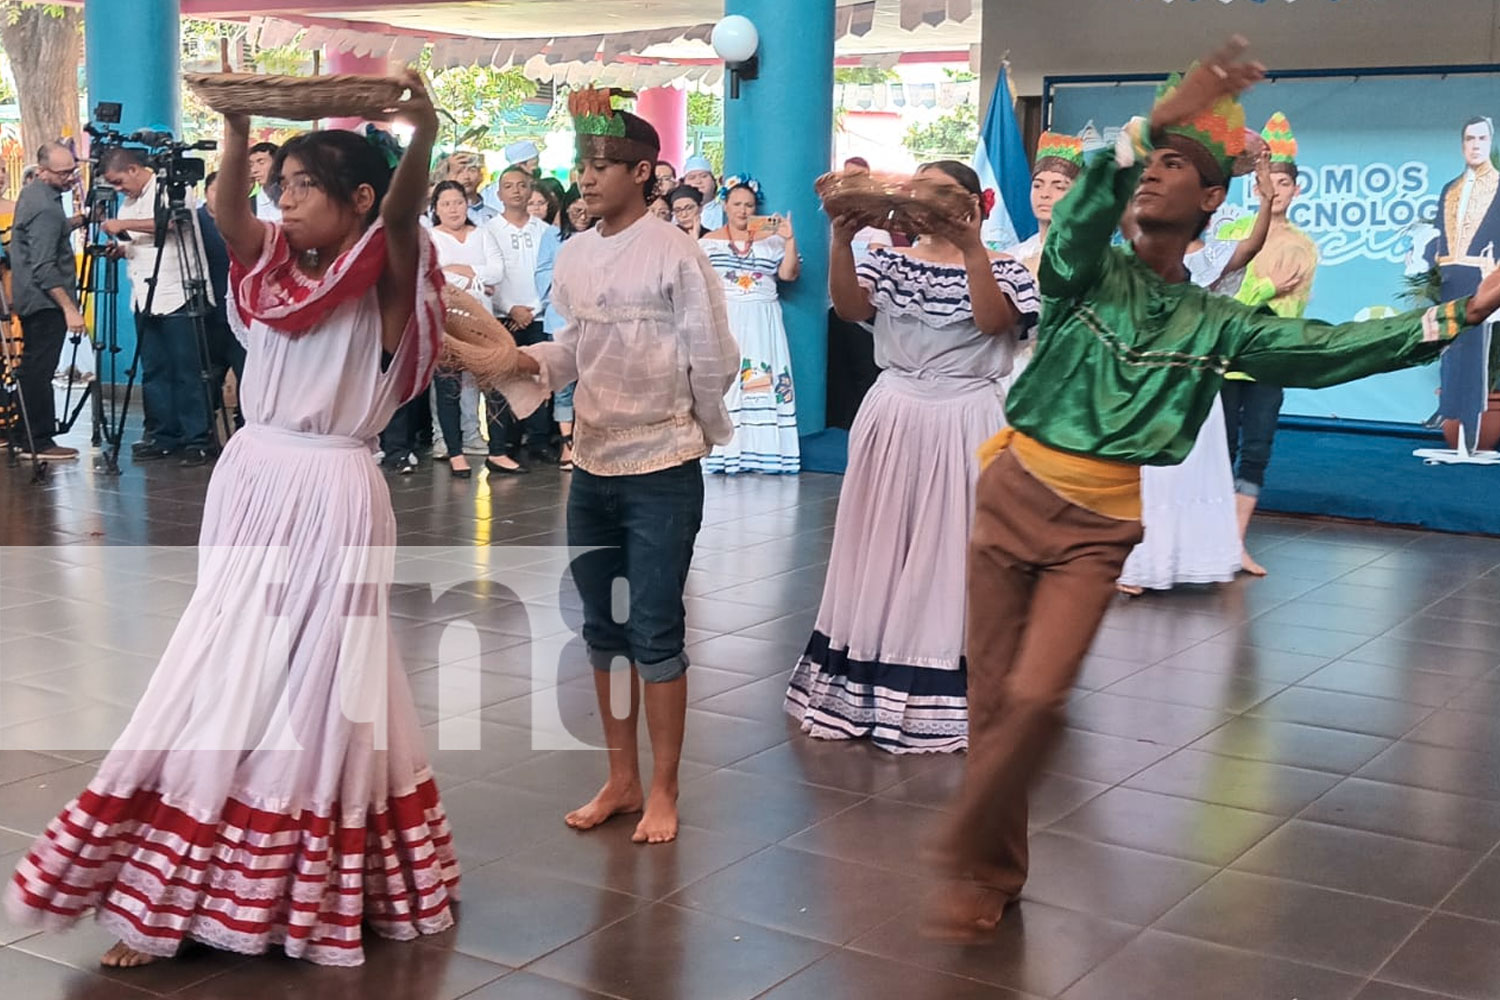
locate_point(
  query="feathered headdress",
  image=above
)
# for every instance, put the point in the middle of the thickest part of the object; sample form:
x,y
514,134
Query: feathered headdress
x,y
1214,139
1059,153
603,132
739,181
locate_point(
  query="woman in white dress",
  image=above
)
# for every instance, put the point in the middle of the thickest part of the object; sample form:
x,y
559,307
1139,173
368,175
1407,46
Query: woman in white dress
x,y
1192,534
271,787
753,257
886,657
466,265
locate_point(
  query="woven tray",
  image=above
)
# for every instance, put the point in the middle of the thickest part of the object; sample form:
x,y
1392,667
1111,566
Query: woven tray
x,y
298,98
474,340
890,203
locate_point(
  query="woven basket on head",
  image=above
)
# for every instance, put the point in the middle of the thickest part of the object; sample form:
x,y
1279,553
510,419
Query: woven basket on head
x,y
891,203
476,341
298,98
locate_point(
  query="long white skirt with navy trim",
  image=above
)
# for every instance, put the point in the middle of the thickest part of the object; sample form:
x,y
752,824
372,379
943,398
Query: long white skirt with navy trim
x,y
885,660
1188,513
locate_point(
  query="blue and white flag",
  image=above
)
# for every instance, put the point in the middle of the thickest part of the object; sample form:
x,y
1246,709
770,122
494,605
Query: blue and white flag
x,y
1001,163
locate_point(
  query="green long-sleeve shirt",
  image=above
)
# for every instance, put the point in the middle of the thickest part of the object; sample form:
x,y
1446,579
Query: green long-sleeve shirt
x,y
1127,365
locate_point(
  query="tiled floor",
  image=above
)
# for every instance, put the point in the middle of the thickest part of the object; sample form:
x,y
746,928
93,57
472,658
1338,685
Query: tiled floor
x,y
1286,787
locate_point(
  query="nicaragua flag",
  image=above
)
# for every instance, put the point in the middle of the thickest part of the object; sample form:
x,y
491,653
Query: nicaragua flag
x,y
1000,161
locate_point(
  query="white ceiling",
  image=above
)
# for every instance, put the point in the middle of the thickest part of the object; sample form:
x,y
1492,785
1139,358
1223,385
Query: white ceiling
x,y
554,18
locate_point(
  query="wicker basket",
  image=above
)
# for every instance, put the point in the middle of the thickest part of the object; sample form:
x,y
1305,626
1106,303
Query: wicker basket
x,y
476,341
890,203
297,98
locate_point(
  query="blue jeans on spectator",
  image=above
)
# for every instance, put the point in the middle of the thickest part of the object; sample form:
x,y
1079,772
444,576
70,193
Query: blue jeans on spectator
x,y
562,403
449,392
172,385
641,528
1251,410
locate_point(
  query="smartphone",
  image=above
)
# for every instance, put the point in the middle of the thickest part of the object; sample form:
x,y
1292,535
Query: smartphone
x,y
764,225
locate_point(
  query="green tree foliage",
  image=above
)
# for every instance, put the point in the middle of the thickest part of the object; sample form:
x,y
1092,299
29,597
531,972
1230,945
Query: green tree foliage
x,y
473,100
862,74
951,136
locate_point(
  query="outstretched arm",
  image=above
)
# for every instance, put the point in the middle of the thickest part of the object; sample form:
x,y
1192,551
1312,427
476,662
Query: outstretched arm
x,y
244,234
401,212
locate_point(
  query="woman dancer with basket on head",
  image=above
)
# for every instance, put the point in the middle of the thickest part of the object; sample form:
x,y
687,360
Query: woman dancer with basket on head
x,y
271,787
886,657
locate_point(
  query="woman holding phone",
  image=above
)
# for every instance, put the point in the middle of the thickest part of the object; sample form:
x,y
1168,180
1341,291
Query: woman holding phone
x,y
753,255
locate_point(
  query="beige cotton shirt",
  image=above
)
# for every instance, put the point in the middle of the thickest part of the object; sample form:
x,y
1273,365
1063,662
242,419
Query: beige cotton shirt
x,y
648,342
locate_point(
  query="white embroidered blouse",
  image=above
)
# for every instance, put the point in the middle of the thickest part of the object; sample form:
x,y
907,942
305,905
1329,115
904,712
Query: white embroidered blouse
x,y
647,340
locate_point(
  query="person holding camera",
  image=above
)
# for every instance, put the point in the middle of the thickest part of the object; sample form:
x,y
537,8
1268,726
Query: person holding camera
x,y
172,363
45,282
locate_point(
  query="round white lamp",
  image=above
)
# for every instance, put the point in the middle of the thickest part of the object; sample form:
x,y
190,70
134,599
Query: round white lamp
x,y
736,41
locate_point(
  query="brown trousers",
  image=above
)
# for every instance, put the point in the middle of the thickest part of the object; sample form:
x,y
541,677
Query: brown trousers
x,y
1042,573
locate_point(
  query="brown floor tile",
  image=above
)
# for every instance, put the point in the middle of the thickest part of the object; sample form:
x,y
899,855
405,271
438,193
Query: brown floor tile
x,y
1099,672
80,946
1450,955
1440,768
27,806
1116,883
848,765
1459,729
1337,710
1388,991
809,895
1480,635
18,764
1292,744
1419,687
1232,781
1413,813
666,952
31,977
1365,621
1156,966
1409,654
1479,895
1371,864
1220,692
847,976
511,915
752,805
1147,721
1164,824
1106,759
1220,656
606,857
575,775
525,986
1289,920
491,821
1144,648
1037,948
720,740
876,832
759,700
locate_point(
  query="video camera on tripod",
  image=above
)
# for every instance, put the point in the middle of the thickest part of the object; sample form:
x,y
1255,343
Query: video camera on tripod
x,y
176,171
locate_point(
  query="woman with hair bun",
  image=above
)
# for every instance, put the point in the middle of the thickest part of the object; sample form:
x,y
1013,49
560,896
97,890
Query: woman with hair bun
x,y
886,657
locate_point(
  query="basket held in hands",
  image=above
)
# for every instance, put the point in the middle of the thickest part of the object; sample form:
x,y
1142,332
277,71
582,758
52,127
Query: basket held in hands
x,y
298,98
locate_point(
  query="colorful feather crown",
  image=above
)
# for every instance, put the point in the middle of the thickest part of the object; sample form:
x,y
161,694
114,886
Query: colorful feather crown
x,y
593,112
1219,130
1280,140
1060,153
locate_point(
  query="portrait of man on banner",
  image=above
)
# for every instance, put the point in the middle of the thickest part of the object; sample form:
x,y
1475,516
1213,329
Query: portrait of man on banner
x,y
1468,239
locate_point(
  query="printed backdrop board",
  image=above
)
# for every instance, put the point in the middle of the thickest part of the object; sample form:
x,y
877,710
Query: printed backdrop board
x,y
1375,152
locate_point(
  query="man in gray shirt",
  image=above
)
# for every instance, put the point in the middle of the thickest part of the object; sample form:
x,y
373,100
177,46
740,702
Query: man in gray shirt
x,y
44,280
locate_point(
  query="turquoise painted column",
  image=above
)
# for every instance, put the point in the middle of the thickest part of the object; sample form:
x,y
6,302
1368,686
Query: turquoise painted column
x,y
131,52
780,131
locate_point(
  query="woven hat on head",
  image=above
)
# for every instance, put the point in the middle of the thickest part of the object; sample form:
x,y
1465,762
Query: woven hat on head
x,y
1059,153
1214,139
1282,143
602,132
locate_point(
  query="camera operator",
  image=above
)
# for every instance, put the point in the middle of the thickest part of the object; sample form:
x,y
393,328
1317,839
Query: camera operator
x,y
44,280
171,366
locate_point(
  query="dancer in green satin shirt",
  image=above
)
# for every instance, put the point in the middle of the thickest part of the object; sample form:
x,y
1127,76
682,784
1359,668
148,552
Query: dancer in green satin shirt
x,y
1128,359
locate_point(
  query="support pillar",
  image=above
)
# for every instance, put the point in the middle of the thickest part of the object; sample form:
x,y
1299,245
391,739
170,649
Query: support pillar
x,y
131,56
780,131
348,62
666,109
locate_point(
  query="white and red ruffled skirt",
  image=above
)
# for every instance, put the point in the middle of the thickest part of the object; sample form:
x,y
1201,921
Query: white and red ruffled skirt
x,y
271,787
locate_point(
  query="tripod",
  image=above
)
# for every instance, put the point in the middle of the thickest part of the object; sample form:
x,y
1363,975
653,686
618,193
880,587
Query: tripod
x,y
174,222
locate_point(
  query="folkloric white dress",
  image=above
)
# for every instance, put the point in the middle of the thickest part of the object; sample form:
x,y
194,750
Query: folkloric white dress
x,y
1192,533
762,402
271,786
886,657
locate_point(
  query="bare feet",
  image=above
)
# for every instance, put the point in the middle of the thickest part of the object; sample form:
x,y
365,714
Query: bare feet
x,y
962,913
122,957
659,824
1249,565
1128,590
611,801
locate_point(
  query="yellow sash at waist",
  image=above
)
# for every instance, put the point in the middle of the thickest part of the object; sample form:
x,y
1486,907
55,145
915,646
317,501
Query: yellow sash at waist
x,y
1109,488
